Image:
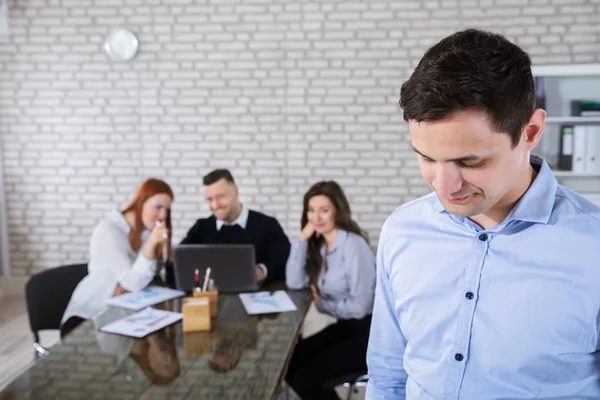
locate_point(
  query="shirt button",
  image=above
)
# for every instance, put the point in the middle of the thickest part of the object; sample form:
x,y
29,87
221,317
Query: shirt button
x,y
469,295
483,237
458,357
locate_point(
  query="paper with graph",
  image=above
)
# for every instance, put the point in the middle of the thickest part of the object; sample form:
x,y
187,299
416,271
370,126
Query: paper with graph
x,y
148,297
142,323
267,302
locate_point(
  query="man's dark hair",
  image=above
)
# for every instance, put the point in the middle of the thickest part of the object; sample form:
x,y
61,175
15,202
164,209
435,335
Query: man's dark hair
x,y
477,70
217,175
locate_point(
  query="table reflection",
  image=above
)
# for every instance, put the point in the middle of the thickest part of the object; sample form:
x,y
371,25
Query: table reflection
x,y
155,355
241,357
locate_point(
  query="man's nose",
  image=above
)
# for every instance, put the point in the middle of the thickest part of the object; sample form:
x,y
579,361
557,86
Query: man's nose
x,y
448,179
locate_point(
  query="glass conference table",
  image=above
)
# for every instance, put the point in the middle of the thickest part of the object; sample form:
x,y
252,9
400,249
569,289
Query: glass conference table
x,y
242,357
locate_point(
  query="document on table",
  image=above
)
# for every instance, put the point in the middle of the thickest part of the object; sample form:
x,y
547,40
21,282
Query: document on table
x,y
148,297
267,302
142,323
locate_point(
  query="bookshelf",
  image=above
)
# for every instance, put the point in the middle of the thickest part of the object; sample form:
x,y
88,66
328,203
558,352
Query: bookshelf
x,y
573,120
570,139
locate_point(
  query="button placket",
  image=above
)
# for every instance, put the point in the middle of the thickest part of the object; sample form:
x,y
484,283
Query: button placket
x,y
464,326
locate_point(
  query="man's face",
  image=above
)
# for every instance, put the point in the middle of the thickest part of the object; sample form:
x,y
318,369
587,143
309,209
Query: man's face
x,y
222,198
471,167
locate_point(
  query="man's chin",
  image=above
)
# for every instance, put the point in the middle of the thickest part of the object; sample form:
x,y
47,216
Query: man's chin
x,y
464,210
220,216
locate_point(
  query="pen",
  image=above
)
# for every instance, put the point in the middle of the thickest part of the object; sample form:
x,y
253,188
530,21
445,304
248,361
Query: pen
x,y
196,280
164,235
206,277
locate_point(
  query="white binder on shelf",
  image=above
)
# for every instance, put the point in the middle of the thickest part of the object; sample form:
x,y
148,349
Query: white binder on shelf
x,y
593,148
579,148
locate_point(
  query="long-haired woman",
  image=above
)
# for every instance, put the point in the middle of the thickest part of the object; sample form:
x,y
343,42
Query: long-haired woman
x,y
126,255
125,250
331,257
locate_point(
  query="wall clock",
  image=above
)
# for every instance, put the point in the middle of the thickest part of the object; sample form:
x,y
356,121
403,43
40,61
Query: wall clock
x,y
121,44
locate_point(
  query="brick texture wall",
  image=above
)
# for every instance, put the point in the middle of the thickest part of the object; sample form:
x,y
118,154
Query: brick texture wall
x,y
283,92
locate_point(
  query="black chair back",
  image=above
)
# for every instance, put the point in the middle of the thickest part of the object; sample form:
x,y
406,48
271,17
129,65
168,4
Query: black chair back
x,y
48,294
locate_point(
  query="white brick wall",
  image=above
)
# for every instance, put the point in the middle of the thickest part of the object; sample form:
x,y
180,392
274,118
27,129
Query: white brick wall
x,y
282,92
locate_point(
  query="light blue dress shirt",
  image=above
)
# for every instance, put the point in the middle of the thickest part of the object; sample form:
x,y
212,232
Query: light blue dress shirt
x,y
506,313
347,285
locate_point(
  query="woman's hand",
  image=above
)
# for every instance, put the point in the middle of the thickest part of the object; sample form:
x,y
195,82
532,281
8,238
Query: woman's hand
x,y
307,231
119,290
315,294
158,235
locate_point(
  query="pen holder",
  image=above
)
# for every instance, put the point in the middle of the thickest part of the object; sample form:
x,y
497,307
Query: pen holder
x,y
196,314
213,298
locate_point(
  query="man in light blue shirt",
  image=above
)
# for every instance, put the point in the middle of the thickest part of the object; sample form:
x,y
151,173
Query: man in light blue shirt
x,y
488,288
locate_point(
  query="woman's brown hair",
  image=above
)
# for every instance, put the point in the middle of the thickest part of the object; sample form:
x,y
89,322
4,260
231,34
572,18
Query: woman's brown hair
x,y
343,220
149,188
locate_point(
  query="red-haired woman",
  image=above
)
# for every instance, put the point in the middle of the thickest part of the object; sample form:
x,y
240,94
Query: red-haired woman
x,y
125,252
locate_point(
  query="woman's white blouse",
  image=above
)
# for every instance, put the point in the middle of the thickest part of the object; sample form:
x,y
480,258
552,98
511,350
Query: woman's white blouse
x,y
112,261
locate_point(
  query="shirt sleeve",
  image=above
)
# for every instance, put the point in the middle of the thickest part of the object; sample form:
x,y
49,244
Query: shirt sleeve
x,y
385,353
277,252
360,264
295,273
194,235
108,252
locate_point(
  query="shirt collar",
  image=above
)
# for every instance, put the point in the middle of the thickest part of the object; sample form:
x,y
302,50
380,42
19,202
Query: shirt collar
x,y
242,219
339,240
121,223
538,201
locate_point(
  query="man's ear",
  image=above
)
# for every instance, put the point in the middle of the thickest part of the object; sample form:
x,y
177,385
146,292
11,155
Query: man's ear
x,y
534,129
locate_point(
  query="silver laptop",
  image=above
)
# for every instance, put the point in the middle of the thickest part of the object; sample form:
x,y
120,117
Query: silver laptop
x,y
233,266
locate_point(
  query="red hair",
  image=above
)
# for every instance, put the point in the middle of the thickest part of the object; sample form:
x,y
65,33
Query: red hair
x,y
149,188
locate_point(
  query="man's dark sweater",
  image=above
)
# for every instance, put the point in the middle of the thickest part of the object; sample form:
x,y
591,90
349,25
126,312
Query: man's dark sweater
x,y
271,245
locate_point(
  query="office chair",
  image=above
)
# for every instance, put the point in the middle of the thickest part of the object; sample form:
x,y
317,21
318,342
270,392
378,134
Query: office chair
x,y
356,382
350,381
47,294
